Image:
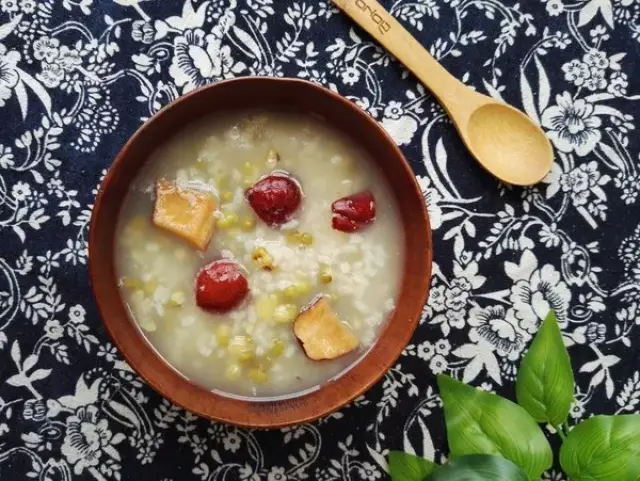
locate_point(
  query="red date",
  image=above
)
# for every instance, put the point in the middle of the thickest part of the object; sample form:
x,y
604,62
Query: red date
x,y
275,199
221,286
354,212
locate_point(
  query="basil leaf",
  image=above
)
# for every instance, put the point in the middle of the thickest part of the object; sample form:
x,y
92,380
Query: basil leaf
x,y
407,467
478,467
603,448
544,386
482,423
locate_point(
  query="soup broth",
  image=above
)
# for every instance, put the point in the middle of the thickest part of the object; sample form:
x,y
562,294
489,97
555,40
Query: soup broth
x,y
291,269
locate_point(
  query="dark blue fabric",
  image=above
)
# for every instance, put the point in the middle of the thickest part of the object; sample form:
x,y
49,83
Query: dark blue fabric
x,y
77,78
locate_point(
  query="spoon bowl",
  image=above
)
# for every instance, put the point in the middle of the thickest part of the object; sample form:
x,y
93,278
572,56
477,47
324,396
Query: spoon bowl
x,y
508,144
502,139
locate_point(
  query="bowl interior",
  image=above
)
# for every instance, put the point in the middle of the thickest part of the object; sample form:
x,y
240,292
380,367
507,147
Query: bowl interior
x,y
262,93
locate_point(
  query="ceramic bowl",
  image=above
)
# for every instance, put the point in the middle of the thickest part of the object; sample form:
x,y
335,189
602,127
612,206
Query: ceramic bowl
x,y
262,93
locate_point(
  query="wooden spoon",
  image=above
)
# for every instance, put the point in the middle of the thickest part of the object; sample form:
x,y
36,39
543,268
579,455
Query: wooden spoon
x,y
504,140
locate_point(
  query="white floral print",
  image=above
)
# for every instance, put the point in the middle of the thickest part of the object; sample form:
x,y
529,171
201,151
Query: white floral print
x,y
555,7
438,364
576,72
572,125
618,84
426,350
142,31
35,410
6,157
402,129
350,75
277,474
8,74
46,48
78,77
21,191
54,329
577,410
9,6
431,198
582,181
597,59
201,58
52,74
77,314
536,291
590,333
232,442
28,6
87,437
443,347
596,80
500,328
369,472
393,110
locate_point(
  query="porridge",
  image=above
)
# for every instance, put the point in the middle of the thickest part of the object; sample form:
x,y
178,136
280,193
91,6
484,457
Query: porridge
x,y
259,253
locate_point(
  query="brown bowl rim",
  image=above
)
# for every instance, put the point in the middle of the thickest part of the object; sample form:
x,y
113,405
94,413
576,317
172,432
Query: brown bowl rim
x,y
265,413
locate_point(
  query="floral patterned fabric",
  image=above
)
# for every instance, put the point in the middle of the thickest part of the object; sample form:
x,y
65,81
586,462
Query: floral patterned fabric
x,y
78,77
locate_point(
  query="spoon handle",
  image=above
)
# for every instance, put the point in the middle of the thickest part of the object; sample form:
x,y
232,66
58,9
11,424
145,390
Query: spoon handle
x,y
379,23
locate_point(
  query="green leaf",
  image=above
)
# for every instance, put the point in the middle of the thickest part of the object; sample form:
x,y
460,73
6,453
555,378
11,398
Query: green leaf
x,y
544,386
482,423
407,467
478,467
603,448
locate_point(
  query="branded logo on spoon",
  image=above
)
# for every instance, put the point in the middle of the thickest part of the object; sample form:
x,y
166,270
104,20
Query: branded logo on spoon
x,y
383,26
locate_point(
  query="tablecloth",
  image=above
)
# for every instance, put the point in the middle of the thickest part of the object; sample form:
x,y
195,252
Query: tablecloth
x,y
77,77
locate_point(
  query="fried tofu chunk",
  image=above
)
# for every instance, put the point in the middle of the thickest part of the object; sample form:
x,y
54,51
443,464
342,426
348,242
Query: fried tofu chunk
x,y
322,334
187,213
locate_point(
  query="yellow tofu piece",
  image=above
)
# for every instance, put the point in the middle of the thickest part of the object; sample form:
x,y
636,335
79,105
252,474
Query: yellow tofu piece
x,y
187,213
322,334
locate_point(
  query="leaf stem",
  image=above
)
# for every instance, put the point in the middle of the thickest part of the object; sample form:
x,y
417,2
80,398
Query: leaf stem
x,y
559,430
